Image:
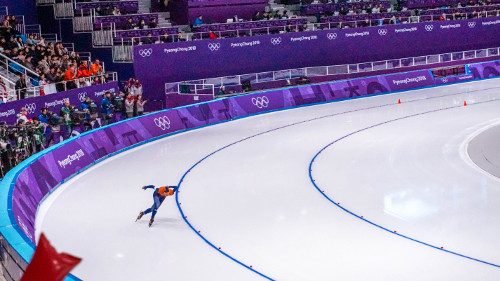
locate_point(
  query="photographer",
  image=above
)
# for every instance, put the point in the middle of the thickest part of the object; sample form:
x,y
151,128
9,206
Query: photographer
x,y
117,104
106,109
38,130
90,108
44,118
65,113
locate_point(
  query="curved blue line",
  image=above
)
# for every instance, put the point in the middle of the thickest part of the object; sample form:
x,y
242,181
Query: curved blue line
x,y
184,217
370,222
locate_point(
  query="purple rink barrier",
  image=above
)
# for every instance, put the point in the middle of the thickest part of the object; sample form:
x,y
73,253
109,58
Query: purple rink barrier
x,y
157,64
54,102
26,185
485,70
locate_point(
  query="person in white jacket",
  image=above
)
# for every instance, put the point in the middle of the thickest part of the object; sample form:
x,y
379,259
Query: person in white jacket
x,y
129,105
136,88
139,104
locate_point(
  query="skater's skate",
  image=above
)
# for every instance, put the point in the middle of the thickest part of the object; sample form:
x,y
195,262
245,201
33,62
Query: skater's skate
x,y
151,222
140,216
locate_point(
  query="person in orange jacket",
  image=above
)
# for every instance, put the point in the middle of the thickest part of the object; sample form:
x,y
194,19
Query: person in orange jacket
x,y
158,196
96,67
83,71
70,73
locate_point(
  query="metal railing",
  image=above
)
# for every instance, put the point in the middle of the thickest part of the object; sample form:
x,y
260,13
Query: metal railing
x,y
51,37
84,23
33,29
340,69
104,37
7,94
45,2
65,9
16,67
190,89
51,88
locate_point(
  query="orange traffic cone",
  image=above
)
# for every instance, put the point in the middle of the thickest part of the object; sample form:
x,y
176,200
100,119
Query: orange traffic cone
x,y
399,101
465,103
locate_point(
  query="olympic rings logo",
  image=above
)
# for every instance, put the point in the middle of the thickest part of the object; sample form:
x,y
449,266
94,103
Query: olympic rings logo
x,y
214,46
331,36
276,41
382,32
82,96
260,102
429,27
162,122
471,24
30,108
146,52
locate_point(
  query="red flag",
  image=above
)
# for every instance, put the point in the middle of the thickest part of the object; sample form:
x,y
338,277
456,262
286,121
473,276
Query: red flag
x,y
47,264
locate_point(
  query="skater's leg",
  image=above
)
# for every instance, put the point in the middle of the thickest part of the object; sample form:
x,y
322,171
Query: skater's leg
x,y
149,210
156,205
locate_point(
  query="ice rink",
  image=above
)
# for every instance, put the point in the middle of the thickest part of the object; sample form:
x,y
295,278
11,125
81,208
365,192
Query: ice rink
x,y
363,189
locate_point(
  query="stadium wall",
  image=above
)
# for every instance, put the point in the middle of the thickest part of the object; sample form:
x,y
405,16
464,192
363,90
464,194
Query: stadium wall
x,y
158,64
26,186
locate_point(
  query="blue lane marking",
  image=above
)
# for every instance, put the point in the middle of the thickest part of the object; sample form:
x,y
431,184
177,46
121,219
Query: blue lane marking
x,y
185,218
370,222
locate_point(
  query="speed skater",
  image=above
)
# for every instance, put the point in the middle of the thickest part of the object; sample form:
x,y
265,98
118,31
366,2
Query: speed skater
x,y
158,196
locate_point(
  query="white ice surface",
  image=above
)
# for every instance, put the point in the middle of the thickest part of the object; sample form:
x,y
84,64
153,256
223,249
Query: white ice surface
x,y
255,199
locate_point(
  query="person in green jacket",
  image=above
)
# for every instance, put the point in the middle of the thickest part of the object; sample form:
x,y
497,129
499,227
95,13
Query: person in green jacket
x,y
65,113
38,138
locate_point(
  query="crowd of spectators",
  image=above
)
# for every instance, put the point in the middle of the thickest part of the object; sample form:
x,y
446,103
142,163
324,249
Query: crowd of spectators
x,y
108,11
141,25
270,16
50,61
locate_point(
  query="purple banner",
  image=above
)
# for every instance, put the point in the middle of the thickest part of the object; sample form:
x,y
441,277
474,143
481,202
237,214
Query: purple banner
x,y
42,175
54,102
181,61
454,79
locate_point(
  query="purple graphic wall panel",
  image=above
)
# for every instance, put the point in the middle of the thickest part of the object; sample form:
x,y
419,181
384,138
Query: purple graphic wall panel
x,y
173,62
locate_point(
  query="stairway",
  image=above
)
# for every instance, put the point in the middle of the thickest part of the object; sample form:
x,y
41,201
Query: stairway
x,y
164,19
274,7
144,6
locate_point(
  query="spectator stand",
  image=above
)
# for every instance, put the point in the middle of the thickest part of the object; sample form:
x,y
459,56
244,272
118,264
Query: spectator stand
x,y
104,28
249,28
314,9
276,79
366,20
428,4
85,13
